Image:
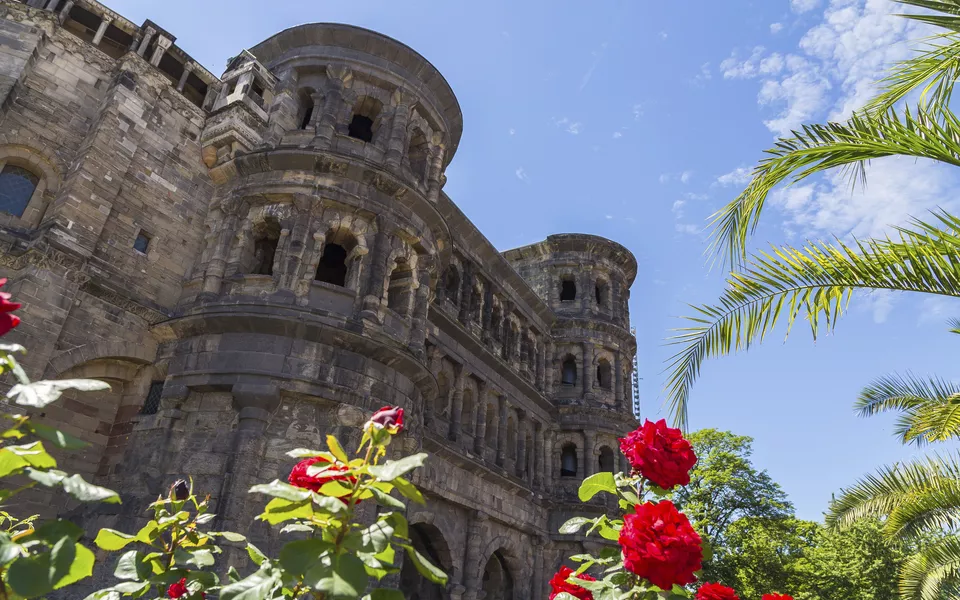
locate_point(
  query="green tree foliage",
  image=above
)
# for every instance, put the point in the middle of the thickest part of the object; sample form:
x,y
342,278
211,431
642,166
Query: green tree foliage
x,y
725,486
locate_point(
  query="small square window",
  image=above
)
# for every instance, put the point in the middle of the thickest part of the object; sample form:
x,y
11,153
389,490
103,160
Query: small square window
x,y
142,242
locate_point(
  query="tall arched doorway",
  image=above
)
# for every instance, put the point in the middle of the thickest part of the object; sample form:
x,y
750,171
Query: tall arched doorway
x,y
428,541
497,580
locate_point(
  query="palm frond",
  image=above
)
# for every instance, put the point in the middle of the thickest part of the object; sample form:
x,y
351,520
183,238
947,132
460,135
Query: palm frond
x,y
933,71
932,573
815,281
949,9
931,407
913,498
819,148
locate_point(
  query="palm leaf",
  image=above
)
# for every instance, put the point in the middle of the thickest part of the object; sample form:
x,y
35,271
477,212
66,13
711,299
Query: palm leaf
x,y
930,407
914,498
819,148
932,573
815,281
933,71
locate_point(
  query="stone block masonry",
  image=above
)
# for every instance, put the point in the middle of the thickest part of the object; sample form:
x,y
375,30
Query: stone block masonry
x,y
255,260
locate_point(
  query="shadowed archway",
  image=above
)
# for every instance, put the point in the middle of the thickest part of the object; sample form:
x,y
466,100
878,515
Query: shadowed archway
x,y
429,542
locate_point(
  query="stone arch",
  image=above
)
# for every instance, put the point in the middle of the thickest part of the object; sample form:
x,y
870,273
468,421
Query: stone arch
x,y
305,107
508,551
366,117
569,370
143,352
22,151
22,164
447,532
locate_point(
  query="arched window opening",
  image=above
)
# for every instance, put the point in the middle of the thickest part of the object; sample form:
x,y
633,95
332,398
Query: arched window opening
x,y
451,284
601,294
568,375
17,186
497,581
306,107
490,425
603,374
428,541
333,265
568,290
399,292
417,152
364,122
607,461
568,461
266,236
496,318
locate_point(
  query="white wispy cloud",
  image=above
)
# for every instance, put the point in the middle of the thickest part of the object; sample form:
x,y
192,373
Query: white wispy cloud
x,y
571,127
664,35
897,188
802,6
936,310
522,175
617,135
686,176
688,228
738,176
776,28
511,131
637,111
682,177
881,303
677,208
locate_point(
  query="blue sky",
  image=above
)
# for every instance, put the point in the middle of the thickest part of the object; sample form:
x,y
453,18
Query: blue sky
x,y
630,120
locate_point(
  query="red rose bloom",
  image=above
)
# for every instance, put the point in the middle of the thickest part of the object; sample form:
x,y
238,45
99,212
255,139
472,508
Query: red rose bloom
x,y
7,321
660,454
390,418
777,597
715,591
559,584
178,589
660,545
300,478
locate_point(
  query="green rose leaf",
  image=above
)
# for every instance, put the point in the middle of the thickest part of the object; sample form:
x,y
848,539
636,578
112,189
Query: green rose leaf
x,y
279,489
344,578
30,576
201,558
395,468
376,537
9,549
257,586
41,393
230,536
279,510
596,483
81,567
574,525
57,437
255,555
74,485
409,490
297,557
109,539
387,500
336,449
133,567
425,567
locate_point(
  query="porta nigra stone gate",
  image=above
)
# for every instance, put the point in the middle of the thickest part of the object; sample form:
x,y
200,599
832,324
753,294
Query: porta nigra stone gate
x,y
257,260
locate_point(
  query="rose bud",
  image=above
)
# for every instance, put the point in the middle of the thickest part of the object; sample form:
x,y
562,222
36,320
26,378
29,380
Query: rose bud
x,y
390,418
180,490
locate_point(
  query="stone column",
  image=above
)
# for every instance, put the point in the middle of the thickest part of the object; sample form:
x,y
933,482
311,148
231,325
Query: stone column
x,y
521,444
317,114
550,361
378,269
187,69
538,453
398,129
487,315
502,431
215,268
255,404
466,293
587,368
472,569
418,323
101,31
619,399
435,169
163,44
430,407
145,40
65,11
548,459
537,584
338,78
456,411
480,426
589,453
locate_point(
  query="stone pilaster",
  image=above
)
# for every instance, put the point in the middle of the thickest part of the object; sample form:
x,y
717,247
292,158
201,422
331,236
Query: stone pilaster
x,y
418,323
373,295
589,453
338,79
456,411
621,401
187,69
472,569
502,431
480,428
435,168
588,368
538,455
402,101
521,462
